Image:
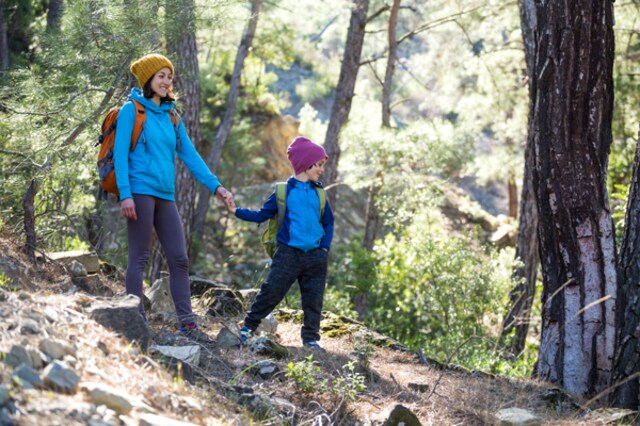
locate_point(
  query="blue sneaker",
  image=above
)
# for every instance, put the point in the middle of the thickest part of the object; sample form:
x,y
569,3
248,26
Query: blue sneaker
x,y
245,334
314,346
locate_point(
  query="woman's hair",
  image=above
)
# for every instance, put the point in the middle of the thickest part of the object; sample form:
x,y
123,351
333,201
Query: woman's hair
x,y
147,92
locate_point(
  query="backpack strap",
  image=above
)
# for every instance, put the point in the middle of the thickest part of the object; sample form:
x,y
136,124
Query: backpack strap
x,y
175,120
138,125
281,199
322,195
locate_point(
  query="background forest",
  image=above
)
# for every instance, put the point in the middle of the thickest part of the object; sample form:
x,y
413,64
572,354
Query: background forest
x,y
422,193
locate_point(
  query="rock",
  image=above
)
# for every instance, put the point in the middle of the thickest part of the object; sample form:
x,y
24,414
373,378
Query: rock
x,y
4,395
89,260
402,416
265,346
268,325
220,302
28,377
115,399
189,354
19,355
60,378
24,296
505,236
14,273
122,315
419,387
77,269
227,339
160,299
29,326
265,369
56,349
516,417
4,295
200,285
156,420
248,297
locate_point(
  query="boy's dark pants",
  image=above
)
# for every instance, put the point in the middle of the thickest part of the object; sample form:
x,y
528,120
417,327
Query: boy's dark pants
x,y
290,264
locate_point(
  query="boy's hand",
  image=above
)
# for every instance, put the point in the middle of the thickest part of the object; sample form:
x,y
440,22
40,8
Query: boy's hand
x,y
230,204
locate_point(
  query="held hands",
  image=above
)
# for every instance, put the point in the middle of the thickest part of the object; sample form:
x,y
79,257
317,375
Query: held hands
x,y
128,209
227,198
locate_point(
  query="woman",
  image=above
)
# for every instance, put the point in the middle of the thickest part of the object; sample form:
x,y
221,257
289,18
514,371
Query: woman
x,y
146,182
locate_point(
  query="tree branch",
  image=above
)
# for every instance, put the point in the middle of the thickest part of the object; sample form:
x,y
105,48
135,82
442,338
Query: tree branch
x,y
436,23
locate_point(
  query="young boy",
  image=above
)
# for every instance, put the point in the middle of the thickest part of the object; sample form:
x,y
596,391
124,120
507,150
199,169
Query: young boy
x,y
303,243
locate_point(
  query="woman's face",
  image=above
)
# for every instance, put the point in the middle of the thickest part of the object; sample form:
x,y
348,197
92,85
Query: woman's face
x,y
161,82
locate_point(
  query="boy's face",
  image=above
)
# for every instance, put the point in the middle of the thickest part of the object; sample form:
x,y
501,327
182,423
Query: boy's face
x,y
316,170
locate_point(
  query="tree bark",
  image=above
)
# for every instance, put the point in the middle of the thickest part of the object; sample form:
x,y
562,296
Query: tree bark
x,y
30,221
183,50
213,160
4,40
391,64
373,215
572,115
54,15
627,360
344,92
521,296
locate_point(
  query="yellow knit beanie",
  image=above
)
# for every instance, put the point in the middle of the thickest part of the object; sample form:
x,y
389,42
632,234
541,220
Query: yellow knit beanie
x,y
145,67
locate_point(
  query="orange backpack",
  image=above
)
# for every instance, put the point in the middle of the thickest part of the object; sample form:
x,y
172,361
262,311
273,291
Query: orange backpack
x,y
106,140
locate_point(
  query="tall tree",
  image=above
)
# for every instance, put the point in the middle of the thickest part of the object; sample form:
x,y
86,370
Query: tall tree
x,y
373,215
626,369
227,121
525,274
54,15
572,113
4,41
345,90
183,49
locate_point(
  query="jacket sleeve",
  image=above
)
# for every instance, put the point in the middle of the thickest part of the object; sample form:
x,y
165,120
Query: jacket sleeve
x,y
268,210
327,224
124,128
194,161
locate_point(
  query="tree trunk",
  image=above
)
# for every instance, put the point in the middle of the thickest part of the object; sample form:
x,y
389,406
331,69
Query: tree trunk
x,y
180,30
391,64
521,297
373,215
627,360
344,92
4,40
572,112
54,15
227,121
30,221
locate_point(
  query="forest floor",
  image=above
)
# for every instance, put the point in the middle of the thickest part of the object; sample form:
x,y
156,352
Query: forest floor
x,y
225,386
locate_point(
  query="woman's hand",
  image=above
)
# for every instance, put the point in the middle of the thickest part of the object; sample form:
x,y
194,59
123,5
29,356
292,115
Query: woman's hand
x,y
227,198
128,209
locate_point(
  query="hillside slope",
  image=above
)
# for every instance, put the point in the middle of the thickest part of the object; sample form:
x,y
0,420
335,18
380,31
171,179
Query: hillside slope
x,y
62,367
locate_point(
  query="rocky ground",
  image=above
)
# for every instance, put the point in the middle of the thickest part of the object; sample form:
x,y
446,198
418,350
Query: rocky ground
x,y
74,352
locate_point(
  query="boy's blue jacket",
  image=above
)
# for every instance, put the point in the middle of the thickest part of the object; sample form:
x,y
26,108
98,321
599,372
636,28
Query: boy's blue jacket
x,y
302,226
150,168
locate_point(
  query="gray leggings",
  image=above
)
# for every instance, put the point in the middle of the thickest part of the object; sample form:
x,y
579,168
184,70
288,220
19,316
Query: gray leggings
x,y
162,215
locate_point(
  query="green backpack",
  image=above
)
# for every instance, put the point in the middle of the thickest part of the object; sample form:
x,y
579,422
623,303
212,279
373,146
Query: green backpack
x,y
269,235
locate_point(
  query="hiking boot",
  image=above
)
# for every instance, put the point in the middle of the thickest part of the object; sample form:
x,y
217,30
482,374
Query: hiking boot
x,y
245,334
314,346
191,331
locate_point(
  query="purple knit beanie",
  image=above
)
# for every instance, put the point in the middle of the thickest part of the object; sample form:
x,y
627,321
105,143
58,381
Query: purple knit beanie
x,y
304,153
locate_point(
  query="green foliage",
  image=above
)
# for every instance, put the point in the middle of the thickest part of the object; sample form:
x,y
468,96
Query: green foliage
x,y
309,378
363,349
307,375
349,383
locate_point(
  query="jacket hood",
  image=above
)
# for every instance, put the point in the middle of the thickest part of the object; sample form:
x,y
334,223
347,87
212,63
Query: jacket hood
x,y
136,94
